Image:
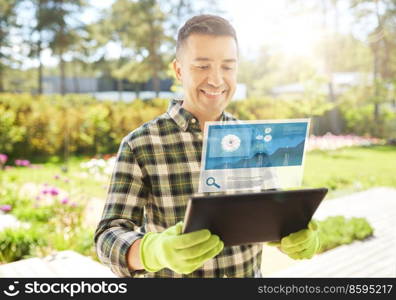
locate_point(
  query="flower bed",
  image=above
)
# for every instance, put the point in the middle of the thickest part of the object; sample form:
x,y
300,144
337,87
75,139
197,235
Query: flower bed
x,y
332,142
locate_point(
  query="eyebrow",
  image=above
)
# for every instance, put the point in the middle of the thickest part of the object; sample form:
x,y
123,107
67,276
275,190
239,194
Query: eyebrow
x,y
228,60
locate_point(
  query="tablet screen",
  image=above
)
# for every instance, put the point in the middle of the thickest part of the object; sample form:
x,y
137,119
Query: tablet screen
x,y
253,217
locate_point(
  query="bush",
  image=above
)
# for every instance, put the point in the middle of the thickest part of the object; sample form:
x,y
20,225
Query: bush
x,y
19,243
336,231
10,133
39,214
357,107
41,126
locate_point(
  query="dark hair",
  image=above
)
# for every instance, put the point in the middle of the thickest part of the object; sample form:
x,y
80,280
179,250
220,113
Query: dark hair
x,y
205,24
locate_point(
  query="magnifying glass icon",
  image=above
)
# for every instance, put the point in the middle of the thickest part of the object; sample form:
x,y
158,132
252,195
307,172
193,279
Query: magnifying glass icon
x,y
210,181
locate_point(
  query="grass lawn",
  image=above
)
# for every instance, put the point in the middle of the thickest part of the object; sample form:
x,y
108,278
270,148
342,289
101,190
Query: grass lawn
x,y
348,170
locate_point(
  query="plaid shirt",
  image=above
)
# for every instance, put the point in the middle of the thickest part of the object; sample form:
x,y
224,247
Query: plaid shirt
x,y
157,170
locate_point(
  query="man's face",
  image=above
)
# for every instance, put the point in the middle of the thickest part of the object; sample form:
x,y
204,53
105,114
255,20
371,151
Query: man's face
x,y
207,69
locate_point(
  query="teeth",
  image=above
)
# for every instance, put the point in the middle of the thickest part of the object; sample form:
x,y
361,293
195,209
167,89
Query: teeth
x,y
213,94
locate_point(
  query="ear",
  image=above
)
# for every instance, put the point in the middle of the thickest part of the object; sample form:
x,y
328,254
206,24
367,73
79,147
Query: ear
x,y
177,69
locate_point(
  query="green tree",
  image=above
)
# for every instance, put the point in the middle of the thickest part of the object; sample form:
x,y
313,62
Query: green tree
x,y
37,40
57,20
381,17
145,32
138,27
7,23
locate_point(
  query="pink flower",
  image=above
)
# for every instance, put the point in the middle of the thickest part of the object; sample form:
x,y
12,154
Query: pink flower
x,y
22,162
54,191
56,177
73,204
5,208
65,200
3,158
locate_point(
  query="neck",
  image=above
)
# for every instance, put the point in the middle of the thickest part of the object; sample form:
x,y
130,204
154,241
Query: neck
x,y
203,120
202,116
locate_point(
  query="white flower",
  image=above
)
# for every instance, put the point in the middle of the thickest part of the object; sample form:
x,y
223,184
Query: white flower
x,y
268,138
230,143
100,169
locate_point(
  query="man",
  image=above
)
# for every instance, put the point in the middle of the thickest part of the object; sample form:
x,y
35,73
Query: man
x,y
158,168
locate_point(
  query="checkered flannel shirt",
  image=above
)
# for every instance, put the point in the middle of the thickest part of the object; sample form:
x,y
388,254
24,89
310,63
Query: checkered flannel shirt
x,y
157,170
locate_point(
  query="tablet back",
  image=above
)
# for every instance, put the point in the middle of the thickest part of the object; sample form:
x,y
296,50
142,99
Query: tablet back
x,y
254,217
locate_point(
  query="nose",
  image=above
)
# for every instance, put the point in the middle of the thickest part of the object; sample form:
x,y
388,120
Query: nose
x,y
215,78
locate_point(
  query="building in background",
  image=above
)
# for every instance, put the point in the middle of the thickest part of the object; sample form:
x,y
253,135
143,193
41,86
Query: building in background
x,y
106,88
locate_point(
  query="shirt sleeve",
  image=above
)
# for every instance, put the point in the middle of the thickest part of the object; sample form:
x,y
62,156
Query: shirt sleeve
x,y
122,219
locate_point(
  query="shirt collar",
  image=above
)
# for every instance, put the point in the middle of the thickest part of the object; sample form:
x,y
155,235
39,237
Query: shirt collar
x,y
183,117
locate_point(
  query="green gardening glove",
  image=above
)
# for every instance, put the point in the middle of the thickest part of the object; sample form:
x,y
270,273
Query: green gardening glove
x,y
182,253
302,244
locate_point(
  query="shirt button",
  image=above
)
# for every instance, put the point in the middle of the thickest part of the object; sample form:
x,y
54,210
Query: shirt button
x,y
193,121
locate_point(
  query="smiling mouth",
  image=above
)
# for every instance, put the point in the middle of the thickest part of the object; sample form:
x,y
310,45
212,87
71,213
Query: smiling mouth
x,y
213,94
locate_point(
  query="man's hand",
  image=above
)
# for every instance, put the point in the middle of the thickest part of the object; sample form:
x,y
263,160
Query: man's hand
x,y
302,244
182,253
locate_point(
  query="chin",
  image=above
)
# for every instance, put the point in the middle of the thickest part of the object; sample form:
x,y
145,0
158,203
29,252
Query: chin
x,y
214,105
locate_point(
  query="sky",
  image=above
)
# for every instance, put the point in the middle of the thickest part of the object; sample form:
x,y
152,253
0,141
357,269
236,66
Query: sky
x,y
257,22
265,22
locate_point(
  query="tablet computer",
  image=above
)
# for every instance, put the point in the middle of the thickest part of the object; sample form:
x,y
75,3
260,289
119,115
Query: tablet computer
x,y
248,218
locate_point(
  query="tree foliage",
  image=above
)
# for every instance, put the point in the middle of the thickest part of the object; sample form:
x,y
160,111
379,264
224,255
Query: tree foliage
x,y
7,22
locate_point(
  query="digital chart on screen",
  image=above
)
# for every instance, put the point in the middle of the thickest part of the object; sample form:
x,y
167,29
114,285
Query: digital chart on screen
x,y
241,155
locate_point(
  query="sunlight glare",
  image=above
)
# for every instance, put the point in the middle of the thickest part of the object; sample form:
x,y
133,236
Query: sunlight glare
x,y
259,23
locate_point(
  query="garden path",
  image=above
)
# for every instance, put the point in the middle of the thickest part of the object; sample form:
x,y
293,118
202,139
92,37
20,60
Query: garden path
x,y
61,264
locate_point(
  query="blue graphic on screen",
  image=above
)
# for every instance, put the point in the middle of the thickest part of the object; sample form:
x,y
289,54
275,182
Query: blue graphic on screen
x,y
233,146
